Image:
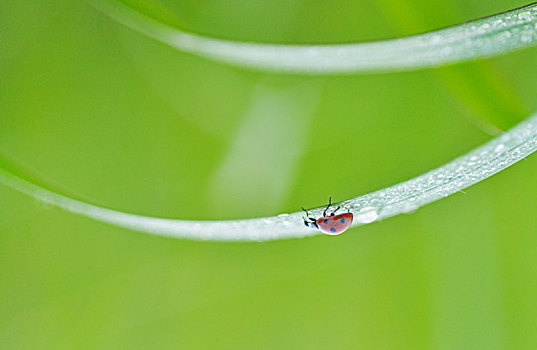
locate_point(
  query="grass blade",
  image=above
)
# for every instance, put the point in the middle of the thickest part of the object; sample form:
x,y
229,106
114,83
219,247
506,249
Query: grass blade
x,y
475,166
485,37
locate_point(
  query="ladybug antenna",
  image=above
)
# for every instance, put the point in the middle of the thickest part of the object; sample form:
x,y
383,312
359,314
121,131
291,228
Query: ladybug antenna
x,y
334,212
328,206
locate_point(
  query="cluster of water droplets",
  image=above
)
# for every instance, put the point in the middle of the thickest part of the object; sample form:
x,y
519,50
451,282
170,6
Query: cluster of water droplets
x,y
485,37
453,177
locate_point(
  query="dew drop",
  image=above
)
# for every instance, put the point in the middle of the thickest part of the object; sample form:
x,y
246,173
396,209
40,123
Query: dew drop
x,y
498,23
499,148
524,15
410,208
367,215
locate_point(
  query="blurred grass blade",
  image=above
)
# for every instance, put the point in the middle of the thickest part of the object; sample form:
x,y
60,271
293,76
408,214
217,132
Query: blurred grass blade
x,y
408,196
485,37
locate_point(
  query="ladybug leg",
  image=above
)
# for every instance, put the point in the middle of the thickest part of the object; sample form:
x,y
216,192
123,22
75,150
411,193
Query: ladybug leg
x,y
308,216
338,207
328,206
312,224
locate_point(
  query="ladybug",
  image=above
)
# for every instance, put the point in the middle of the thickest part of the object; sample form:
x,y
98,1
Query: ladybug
x,y
331,224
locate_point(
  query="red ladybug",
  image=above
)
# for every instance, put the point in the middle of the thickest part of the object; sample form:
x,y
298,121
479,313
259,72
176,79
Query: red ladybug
x,y
332,224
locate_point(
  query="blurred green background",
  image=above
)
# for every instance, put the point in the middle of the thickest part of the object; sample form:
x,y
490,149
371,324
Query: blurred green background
x,y
101,113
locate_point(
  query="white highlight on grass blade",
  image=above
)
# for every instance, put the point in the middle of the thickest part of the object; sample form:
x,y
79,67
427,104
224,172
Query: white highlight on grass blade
x,y
485,37
405,197
263,156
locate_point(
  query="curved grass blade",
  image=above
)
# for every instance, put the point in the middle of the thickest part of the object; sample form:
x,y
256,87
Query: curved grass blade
x,y
477,165
485,37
